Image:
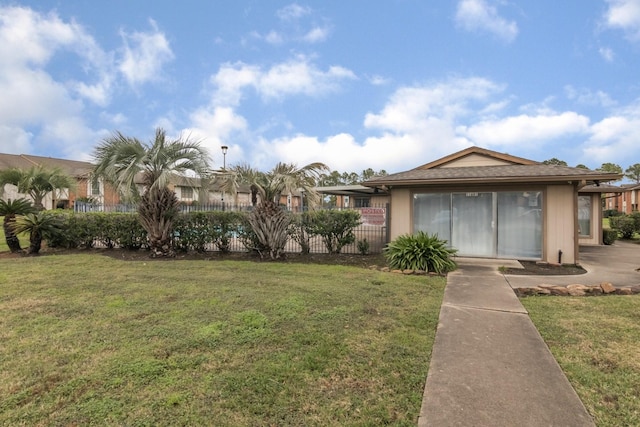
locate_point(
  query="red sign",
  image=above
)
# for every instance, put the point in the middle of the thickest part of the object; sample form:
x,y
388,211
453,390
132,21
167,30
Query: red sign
x,y
373,216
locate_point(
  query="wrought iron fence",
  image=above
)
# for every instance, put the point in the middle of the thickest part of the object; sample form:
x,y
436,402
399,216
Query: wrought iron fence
x,y
370,236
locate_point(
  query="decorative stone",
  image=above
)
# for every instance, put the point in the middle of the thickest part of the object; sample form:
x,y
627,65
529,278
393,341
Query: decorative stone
x,y
577,287
607,287
576,292
559,290
624,291
594,290
385,269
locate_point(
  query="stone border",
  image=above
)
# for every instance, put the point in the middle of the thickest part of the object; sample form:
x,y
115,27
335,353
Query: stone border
x,y
576,290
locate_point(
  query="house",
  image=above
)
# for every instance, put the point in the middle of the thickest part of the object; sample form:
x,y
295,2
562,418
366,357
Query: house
x,y
355,196
625,199
86,187
495,205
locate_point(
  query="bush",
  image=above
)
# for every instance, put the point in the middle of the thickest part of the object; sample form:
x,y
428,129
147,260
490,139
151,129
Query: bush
x,y
336,228
626,225
609,236
608,213
420,251
363,246
300,231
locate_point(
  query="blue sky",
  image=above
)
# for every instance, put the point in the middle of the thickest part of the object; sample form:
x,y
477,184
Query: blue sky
x,y
354,84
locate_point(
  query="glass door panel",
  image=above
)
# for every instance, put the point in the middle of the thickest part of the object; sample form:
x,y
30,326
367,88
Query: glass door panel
x,y
472,224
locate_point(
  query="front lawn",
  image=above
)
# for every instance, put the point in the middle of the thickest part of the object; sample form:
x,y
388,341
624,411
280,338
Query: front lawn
x,y
88,339
596,341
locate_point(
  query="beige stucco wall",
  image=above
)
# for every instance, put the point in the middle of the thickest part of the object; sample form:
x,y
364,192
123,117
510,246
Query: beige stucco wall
x,y
400,212
560,224
475,160
559,221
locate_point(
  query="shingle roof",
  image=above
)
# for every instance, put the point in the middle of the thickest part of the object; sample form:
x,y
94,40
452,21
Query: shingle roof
x,y
24,161
492,174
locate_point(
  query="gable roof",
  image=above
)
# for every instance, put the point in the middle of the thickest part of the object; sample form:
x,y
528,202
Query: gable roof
x,y
502,168
25,161
477,152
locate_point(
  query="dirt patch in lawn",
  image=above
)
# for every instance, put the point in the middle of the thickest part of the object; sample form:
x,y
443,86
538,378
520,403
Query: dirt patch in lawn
x,y
533,268
357,260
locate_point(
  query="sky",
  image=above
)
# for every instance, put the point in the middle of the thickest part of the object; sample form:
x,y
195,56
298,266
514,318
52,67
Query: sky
x,y
355,84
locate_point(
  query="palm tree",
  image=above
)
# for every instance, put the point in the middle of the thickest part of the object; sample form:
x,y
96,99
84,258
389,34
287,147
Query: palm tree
x,y
37,182
120,160
268,220
39,226
10,209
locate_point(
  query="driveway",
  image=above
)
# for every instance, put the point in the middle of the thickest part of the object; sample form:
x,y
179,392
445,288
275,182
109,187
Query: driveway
x,y
617,264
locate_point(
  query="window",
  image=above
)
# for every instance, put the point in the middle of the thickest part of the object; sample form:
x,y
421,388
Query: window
x,y
95,187
361,202
584,216
186,192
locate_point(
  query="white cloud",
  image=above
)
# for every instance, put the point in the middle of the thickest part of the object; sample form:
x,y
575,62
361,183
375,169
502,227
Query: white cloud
x,y
293,12
589,97
624,15
316,35
144,54
607,54
520,129
410,108
295,77
377,80
615,138
478,15
14,140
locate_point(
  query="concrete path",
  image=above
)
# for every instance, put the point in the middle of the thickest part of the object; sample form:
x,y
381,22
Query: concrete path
x,y
617,264
489,366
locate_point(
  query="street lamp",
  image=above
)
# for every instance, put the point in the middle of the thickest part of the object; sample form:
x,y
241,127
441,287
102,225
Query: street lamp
x,y
224,156
224,167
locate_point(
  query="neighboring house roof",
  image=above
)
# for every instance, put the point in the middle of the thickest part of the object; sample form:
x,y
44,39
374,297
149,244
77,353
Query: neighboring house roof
x,y
25,161
630,187
349,190
602,188
481,166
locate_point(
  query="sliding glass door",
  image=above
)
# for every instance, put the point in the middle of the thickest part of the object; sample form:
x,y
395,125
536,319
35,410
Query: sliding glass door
x,y
497,224
472,228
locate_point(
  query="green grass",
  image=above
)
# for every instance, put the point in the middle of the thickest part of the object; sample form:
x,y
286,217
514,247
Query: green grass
x,y
88,339
596,341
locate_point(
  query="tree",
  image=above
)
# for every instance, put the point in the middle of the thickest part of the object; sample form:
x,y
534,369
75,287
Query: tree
x,y
554,161
120,159
10,209
610,168
269,221
37,182
581,166
39,226
633,173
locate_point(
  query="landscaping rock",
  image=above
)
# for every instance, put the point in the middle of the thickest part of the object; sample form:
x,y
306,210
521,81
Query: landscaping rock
x,y
607,287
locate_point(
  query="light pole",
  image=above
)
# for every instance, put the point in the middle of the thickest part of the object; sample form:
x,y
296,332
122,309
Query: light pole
x,y
224,167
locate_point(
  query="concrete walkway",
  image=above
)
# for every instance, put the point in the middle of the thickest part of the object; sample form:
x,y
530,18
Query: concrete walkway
x,y
489,366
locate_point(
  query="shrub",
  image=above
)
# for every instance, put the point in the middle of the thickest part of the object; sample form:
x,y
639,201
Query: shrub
x,y
608,213
300,231
609,236
336,228
420,251
625,225
363,246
